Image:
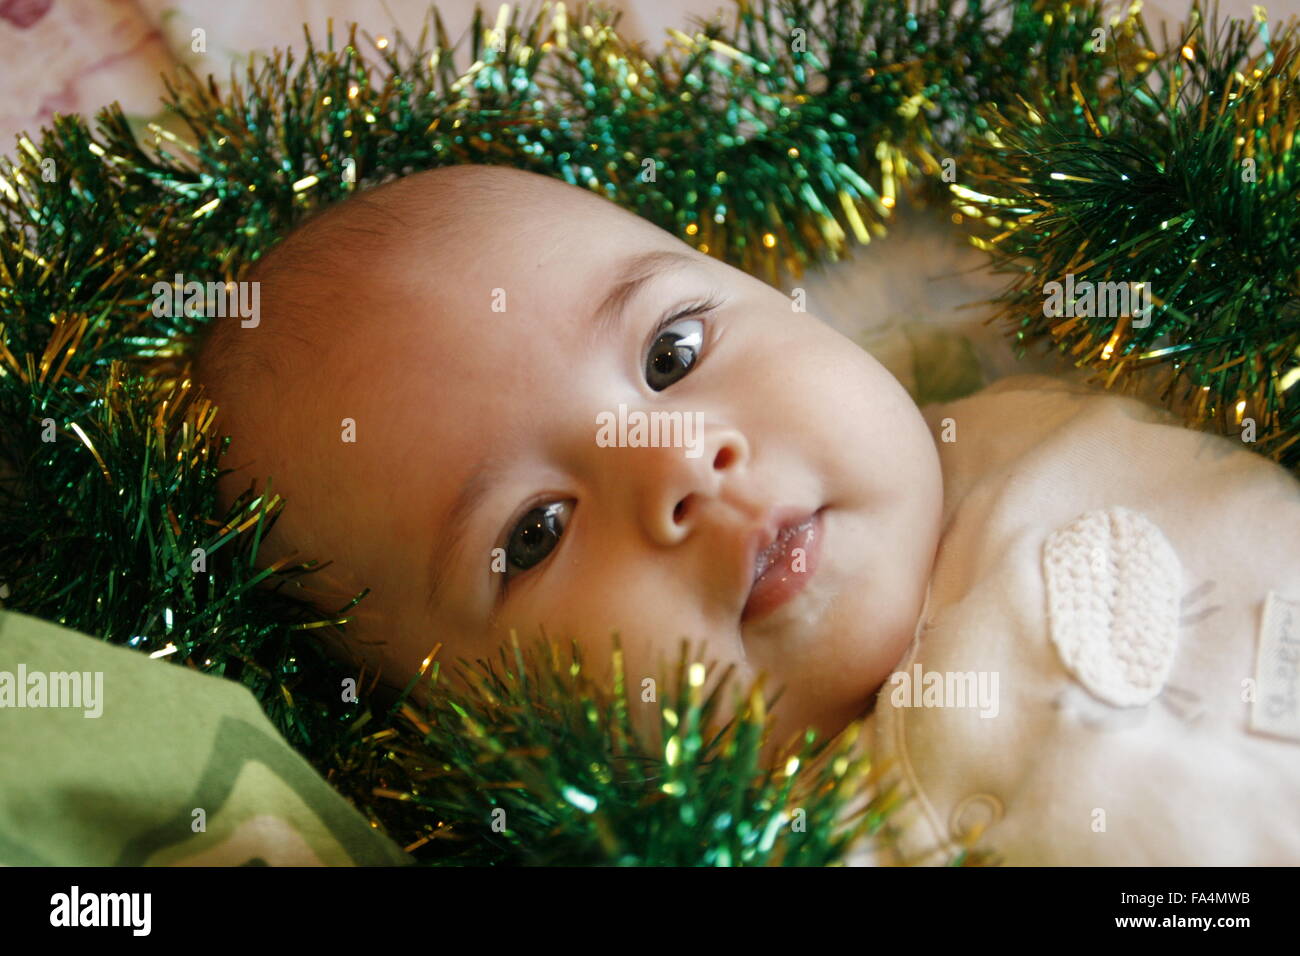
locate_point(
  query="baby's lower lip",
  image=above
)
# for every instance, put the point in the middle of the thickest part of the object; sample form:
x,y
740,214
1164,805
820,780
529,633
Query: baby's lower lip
x,y
792,563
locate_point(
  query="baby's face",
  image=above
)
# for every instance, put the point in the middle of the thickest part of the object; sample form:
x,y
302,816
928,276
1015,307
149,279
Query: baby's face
x,y
487,488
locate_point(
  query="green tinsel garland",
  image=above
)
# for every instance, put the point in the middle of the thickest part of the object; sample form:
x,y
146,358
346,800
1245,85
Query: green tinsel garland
x,y
537,749
1184,173
805,124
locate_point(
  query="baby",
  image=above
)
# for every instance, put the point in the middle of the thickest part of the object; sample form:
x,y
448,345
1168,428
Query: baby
x,y
501,402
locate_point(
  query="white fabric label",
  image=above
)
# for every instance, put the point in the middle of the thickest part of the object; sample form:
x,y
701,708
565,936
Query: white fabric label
x,y
1276,709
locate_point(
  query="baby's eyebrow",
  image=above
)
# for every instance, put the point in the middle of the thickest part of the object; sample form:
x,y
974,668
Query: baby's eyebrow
x,y
631,274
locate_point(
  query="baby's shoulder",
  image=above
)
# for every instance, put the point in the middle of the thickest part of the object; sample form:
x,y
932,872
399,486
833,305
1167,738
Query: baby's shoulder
x,y
1040,414
1026,392
1035,382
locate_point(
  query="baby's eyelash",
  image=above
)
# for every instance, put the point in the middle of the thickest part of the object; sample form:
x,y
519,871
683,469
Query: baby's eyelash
x,y
696,308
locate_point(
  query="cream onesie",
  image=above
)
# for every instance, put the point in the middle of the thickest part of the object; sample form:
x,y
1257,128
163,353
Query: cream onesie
x,y
1107,669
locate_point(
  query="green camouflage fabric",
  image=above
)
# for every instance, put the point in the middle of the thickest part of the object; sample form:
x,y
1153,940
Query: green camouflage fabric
x,y
109,758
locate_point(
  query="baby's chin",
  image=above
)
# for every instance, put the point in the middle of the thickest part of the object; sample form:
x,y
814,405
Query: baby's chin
x,y
880,654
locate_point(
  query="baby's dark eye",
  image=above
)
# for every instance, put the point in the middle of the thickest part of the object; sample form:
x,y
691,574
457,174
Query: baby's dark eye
x,y
535,536
673,353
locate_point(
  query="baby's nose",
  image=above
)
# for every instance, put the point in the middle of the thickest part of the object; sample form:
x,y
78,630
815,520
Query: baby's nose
x,y
671,477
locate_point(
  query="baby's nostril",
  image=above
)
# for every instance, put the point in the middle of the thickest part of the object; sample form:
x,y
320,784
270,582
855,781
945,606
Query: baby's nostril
x,y
724,457
679,512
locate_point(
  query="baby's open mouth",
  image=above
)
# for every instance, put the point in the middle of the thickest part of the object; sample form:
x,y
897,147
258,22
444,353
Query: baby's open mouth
x,y
783,567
